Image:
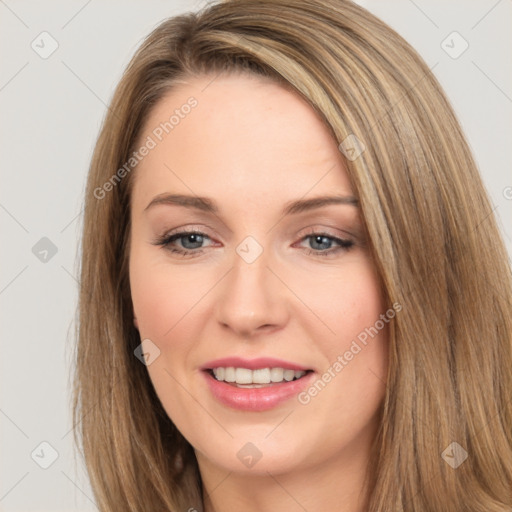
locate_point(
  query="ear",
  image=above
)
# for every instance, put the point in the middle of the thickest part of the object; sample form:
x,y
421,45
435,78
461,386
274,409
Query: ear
x,y
135,322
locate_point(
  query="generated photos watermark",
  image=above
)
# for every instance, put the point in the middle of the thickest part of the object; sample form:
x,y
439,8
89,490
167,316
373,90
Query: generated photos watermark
x,y
344,359
151,142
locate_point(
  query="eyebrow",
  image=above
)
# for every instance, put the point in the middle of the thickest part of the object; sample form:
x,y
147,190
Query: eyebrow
x,y
207,205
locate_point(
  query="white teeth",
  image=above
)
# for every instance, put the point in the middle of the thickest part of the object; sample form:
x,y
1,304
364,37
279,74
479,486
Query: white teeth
x,y
244,376
289,375
261,376
229,374
276,374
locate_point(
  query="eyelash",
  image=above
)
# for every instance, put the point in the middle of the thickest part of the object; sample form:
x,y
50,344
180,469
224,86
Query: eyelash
x,y
166,240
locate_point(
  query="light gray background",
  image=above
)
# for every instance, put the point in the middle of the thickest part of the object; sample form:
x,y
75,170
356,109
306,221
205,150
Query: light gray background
x,y
51,111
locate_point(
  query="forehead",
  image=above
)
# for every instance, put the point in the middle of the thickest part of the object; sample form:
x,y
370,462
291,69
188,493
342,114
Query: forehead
x,y
244,137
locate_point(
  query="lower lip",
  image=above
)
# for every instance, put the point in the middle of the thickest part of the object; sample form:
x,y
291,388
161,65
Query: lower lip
x,y
256,399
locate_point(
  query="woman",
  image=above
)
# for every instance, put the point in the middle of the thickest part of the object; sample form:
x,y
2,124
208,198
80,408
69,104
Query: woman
x,y
294,294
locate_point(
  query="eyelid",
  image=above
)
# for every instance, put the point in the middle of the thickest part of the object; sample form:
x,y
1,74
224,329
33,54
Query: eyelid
x,y
334,232
191,228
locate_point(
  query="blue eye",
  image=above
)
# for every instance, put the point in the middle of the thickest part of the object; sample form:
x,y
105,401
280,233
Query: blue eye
x,y
191,243
194,239
321,244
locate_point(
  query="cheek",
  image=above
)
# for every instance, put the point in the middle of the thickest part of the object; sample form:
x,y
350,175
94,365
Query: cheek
x,y
355,345
162,297
365,334
164,302
346,302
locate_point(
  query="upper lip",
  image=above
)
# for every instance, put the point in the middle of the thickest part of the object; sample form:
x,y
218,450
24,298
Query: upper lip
x,y
253,364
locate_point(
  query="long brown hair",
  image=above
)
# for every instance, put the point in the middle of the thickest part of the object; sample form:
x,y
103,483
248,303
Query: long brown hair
x,y
431,231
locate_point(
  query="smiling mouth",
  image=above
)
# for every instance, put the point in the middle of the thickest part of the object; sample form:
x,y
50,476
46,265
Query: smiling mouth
x,y
258,378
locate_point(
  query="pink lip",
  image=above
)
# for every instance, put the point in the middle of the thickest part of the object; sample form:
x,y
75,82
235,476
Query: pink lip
x,y
255,399
252,364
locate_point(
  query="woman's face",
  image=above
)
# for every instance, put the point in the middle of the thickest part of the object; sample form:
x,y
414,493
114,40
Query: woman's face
x,y
274,283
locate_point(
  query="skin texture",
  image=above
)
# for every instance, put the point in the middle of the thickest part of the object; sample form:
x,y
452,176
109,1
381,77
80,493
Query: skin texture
x,y
252,146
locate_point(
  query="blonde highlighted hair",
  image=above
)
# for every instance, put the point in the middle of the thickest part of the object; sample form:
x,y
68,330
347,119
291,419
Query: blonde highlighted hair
x,y
432,235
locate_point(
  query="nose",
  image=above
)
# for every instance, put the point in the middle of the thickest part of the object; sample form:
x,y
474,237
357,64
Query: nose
x,y
251,299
